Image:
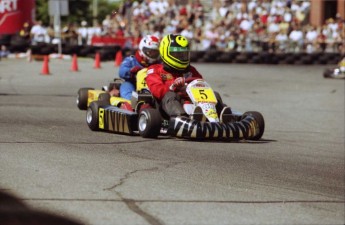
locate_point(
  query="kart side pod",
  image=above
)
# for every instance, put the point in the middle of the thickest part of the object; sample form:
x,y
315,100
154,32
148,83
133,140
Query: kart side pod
x,y
250,126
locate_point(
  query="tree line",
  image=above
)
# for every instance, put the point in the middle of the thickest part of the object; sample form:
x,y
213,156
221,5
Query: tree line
x,y
78,10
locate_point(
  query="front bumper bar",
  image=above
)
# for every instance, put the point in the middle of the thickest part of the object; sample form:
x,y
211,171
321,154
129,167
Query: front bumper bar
x,y
244,129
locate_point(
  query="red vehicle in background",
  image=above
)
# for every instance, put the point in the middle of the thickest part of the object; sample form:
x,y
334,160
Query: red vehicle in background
x,y
13,15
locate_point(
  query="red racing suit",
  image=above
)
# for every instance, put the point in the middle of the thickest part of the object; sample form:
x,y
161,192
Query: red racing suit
x,y
159,80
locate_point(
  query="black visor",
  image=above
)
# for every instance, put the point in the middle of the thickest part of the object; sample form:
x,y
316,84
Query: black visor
x,y
182,56
151,53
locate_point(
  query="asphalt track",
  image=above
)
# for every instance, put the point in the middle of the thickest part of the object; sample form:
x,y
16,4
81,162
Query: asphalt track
x,y
51,162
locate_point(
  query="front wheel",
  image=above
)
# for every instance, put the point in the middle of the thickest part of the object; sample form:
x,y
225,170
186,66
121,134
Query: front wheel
x,y
328,73
259,125
82,98
104,97
149,123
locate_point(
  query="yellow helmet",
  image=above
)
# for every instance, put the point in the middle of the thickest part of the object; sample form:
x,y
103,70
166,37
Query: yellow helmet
x,y
174,51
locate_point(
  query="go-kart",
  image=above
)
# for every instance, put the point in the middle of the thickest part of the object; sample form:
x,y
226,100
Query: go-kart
x,y
144,116
335,72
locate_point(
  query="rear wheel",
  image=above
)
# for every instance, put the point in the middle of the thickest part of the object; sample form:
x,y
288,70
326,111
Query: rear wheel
x,y
149,123
260,124
82,98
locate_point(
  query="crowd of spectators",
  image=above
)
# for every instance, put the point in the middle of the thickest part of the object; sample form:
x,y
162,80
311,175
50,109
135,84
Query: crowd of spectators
x,y
251,25
226,25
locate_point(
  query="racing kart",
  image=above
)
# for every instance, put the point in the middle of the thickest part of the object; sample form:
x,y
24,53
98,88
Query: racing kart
x,y
335,72
143,115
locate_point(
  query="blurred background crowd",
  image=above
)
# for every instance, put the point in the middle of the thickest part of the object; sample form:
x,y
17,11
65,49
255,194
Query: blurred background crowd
x,y
280,26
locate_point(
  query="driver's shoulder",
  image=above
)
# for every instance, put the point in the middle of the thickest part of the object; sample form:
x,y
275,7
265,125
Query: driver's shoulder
x,y
154,68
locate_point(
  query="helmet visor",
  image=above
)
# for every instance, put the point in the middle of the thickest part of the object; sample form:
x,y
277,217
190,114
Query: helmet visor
x,y
181,54
151,53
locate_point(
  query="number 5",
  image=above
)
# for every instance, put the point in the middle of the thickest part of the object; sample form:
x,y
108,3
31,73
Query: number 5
x,y
202,94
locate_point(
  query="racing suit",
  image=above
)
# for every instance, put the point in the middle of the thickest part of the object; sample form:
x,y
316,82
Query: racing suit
x,y
159,81
127,64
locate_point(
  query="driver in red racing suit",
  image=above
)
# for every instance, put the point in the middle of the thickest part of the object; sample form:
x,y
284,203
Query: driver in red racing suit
x,y
166,80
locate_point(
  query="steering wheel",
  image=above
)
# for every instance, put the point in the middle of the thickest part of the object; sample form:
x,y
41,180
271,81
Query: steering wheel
x,y
190,79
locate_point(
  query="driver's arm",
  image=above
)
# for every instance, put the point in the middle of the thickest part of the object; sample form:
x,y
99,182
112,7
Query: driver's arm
x,y
194,72
155,83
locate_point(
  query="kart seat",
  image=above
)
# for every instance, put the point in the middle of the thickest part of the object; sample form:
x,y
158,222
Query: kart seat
x,y
116,84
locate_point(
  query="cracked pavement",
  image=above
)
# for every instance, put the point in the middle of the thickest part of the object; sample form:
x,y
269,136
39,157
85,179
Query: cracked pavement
x,y
51,161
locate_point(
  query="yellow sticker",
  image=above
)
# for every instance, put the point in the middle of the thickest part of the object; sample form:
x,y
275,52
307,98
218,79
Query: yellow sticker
x,y
212,113
141,82
101,118
203,94
182,41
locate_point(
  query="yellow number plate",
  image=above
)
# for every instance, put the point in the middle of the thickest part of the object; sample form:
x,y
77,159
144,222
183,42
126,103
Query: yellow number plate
x,y
101,118
141,82
203,95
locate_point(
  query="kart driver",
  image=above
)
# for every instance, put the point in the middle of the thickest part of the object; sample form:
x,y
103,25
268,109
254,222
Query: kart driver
x,y
166,80
146,55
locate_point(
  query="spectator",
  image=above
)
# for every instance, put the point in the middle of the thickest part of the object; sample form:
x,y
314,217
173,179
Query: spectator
x,y
83,33
39,33
311,39
210,38
321,40
188,32
273,27
51,34
246,24
69,34
282,40
4,52
296,39
287,17
232,45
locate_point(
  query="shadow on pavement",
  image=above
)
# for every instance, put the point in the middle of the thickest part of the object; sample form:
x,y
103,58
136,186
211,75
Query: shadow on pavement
x,y
14,212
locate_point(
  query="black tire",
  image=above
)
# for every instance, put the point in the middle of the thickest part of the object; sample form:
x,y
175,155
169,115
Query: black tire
x,y
220,105
149,123
104,97
92,114
260,124
82,98
328,73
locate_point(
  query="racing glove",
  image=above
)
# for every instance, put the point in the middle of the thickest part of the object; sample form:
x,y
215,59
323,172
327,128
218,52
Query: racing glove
x,y
133,72
178,83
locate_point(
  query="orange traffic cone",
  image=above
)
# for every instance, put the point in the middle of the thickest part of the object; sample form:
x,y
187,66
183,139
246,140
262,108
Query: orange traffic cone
x,y
45,67
74,66
118,58
97,63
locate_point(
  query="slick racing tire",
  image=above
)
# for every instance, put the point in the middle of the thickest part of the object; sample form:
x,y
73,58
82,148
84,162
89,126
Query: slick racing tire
x,y
92,114
104,97
82,98
328,73
260,122
149,123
